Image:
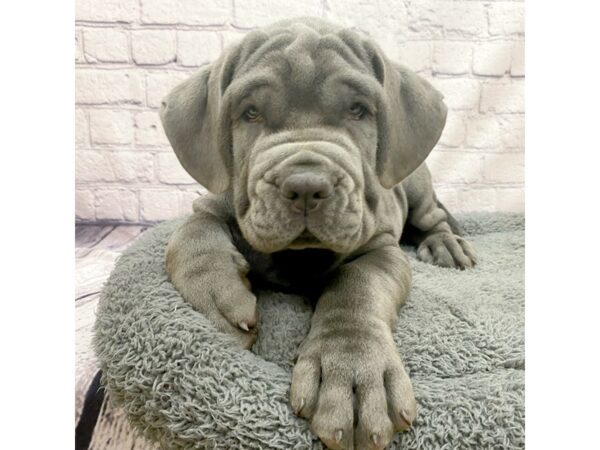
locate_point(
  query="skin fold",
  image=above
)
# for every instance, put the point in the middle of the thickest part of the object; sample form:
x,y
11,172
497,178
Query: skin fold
x,y
313,144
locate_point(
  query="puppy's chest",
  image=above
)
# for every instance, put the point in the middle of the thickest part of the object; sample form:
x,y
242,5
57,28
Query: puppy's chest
x,y
303,272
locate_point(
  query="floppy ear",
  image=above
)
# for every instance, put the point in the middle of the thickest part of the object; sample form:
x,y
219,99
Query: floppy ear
x,y
194,124
410,122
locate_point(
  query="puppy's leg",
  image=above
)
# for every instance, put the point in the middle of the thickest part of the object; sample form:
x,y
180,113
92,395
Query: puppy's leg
x,y
350,352
210,273
434,232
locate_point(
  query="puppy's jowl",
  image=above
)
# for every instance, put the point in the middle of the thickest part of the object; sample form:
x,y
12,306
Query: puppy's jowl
x,y
312,144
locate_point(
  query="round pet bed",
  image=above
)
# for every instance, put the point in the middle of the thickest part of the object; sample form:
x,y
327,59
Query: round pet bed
x,y
185,385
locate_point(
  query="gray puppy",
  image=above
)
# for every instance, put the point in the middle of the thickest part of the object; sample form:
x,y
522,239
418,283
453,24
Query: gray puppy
x,y
312,144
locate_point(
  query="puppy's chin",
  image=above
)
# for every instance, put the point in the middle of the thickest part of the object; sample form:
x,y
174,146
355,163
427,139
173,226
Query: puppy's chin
x,y
306,240
302,240
316,240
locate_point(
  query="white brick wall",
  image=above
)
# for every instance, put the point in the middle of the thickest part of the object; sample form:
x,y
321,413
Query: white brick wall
x,y
130,53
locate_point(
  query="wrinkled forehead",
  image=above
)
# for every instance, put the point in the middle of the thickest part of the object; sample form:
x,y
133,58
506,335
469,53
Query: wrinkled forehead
x,y
304,64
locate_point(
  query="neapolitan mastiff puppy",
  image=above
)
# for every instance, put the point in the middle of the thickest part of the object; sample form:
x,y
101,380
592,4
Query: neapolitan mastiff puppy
x,y
312,144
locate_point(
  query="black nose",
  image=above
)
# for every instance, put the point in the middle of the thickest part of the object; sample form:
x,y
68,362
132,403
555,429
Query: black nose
x,y
306,190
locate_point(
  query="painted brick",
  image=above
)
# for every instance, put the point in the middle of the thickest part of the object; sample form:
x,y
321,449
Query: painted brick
x,y
504,168
477,199
159,84
415,55
82,129
257,13
98,86
111,127
93,166
502,97
170,171
106,45
149,131
378,19
79,58
206,12
517,64
116,204
512,131
159,205
84,205
452,57
459,93
451,167
433,18
196,48
107,10
506,18
192,12
510,200
159,11
131,167
153,46
492,58
483,132
454,132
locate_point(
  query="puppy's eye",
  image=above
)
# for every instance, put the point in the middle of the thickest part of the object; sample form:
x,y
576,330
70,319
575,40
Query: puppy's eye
x,y
358,111
251,114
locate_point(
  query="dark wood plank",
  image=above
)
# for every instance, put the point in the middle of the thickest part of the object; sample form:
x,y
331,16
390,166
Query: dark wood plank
x,y
92,270
96,252
120,238
87,236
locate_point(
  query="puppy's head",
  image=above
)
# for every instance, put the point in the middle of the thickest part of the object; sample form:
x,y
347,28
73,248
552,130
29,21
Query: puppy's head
x,y
308,125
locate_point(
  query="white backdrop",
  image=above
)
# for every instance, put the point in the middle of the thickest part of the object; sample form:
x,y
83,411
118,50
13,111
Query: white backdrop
x,y
130,53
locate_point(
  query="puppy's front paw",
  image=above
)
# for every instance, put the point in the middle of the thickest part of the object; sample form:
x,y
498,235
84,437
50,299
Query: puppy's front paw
x,y
231,306
221,292
447,250
338,372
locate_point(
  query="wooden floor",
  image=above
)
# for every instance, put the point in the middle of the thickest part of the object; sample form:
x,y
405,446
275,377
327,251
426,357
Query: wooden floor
x,y
96,250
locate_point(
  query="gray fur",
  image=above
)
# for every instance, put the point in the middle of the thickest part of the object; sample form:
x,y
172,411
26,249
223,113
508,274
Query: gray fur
x,y
302,80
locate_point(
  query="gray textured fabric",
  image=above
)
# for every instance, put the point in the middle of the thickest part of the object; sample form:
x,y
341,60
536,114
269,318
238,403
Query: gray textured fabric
x,y
461,336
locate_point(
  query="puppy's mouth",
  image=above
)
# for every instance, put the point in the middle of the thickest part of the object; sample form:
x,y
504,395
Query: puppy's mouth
x,y
305,240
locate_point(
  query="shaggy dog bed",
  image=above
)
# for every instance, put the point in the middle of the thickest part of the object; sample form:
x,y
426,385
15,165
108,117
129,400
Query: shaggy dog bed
x,y
185,385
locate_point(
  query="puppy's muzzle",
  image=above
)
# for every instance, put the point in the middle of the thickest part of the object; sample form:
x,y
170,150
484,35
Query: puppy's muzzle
x,y
306,190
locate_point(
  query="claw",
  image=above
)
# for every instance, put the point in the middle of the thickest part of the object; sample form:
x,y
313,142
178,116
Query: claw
x,y
244,326
338,436
375,439
299,407
404,417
